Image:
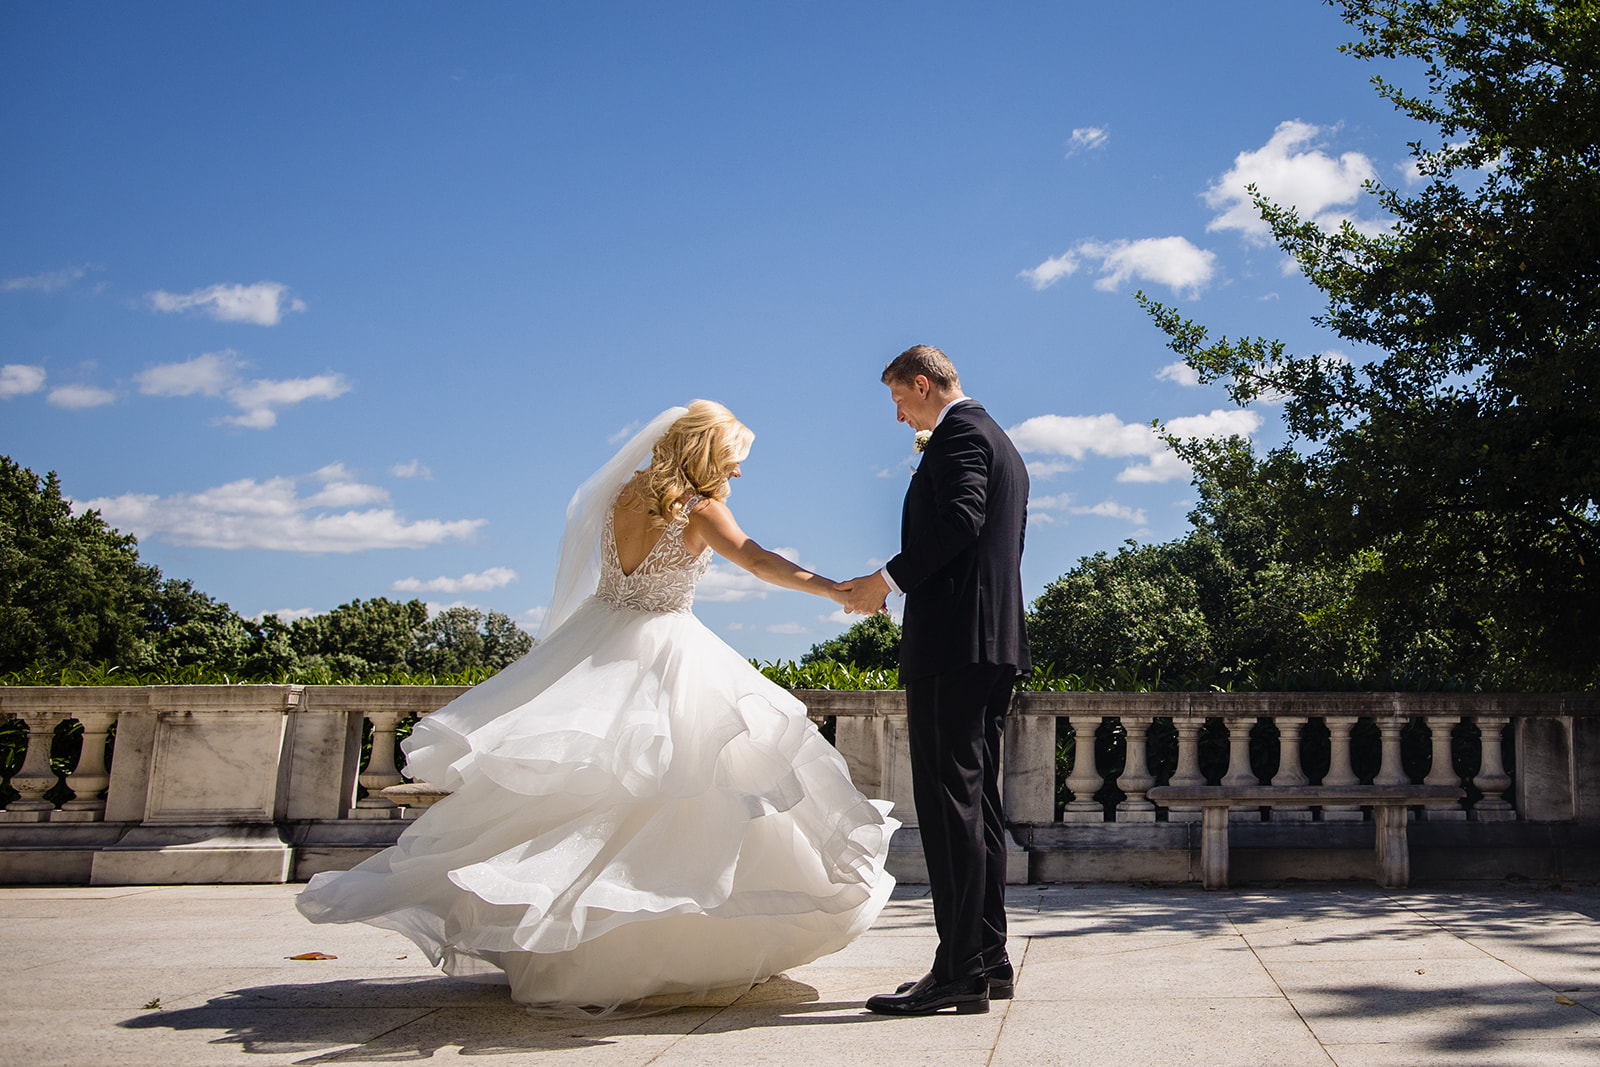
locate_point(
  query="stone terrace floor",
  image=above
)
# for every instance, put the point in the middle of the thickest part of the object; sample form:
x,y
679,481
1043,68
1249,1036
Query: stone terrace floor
x,y
1346,974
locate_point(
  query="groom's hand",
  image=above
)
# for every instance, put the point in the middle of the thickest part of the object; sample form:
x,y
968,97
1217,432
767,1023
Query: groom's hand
x,y
865,595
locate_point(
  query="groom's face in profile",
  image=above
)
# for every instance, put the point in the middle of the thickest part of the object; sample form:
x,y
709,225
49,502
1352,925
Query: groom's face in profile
x,y
914,404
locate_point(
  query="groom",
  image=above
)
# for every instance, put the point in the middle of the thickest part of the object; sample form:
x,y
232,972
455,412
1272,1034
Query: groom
x,y
962,647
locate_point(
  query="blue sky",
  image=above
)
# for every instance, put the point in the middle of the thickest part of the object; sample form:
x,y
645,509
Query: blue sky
x,y
338,301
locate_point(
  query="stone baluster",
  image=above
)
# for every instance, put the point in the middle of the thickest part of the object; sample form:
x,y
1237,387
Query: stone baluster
x,y
1289,770
1084,781
1390,772
1443,771
1136,779
1239,772
1188,770
89,779
1340,772
381,773
35,778
1492,777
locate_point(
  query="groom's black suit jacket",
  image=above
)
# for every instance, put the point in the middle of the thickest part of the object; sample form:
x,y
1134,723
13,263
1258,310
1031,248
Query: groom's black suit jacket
x,y
959,565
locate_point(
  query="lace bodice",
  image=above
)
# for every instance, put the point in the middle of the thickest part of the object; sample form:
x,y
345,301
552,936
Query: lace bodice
x,y
665,580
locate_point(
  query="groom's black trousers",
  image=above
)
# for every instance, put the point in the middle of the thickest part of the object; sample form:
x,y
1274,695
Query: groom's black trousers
x,y
954,721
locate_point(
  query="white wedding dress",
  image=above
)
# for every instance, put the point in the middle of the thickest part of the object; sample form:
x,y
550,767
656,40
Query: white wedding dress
x,y
637,817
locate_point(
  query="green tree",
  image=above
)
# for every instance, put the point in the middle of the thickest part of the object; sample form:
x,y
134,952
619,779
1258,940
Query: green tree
x,y
361,637
462,638
72,589
1461,465
504,642
872,642
185,627
1137,612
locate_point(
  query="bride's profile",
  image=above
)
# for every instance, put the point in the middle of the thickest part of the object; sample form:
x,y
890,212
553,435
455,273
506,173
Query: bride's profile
x,y
637,816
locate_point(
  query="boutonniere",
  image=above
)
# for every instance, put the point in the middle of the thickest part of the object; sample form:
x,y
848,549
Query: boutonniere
x,y
921,440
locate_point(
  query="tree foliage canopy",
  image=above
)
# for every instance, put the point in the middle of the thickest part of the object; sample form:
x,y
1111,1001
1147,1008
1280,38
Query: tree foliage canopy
x,y
874,642
72,589
1462,462
73,594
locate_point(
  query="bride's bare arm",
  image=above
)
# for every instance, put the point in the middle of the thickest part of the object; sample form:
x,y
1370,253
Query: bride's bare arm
x,y
712,523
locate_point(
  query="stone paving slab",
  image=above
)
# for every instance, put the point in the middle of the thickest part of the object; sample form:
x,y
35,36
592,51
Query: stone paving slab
x,y
1329,974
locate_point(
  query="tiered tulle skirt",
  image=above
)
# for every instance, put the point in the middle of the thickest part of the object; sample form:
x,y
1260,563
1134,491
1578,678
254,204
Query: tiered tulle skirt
x,y
635,813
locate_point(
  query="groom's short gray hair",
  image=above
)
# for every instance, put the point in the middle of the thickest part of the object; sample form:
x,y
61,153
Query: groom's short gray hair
x,y
925,360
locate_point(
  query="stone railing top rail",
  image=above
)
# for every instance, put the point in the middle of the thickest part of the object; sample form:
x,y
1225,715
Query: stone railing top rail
x,y
408,698
420,699
1240,705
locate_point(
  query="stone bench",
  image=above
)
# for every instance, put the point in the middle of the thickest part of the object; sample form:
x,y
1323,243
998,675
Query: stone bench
x,y
1388,802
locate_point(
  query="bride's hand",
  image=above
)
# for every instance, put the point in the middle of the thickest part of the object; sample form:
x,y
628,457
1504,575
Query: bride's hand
x,y
840,593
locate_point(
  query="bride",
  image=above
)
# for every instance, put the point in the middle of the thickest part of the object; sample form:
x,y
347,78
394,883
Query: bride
x,y
637,816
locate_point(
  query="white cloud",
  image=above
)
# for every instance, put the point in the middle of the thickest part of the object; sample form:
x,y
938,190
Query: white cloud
x,y
50,281
1179,373
434,607
1051,270
1079,435
1289,170
725,583
1087,139
1112,510
1063,502
20,379
1106,435
263,303
217,374
531,619
788,628
624,433
261,398
1170,261
77,397
1161,467
207,374
1221,422
272,515
414,469
840,616
287,614
482,582
1042,469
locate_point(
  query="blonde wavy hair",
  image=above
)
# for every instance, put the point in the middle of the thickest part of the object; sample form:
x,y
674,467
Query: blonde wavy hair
x,y
694,457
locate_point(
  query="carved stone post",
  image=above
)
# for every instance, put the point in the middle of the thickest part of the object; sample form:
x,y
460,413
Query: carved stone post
x,y
381,773
90,779
1492,777
1339,770
1084,781
1289,771
1443,772
1394,856
1136,779
1239,773
1028,784
35,779
1188,771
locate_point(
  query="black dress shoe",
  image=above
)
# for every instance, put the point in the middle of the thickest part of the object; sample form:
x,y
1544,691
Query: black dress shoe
x,y
968,996
1002,981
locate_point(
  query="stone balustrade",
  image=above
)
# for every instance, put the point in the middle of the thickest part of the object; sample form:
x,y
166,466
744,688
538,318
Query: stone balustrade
x,y
265,783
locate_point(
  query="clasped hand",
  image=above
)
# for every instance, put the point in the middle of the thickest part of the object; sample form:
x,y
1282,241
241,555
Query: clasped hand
x,y
866,595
